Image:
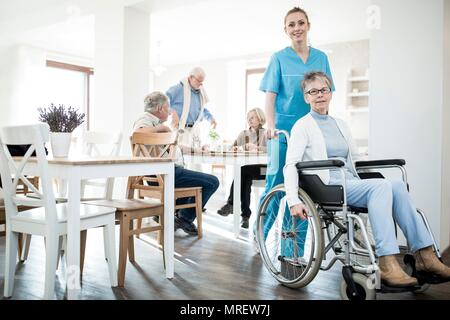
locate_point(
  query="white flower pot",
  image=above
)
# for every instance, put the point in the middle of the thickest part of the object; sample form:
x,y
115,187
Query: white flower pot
x,y
60,142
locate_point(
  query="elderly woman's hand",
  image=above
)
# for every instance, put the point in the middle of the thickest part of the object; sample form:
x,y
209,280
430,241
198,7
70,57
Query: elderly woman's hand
x,y
205,148
299,210
251,147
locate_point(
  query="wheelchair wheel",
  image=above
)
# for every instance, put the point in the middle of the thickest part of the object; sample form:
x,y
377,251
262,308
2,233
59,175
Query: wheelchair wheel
x,y
291,248
364,290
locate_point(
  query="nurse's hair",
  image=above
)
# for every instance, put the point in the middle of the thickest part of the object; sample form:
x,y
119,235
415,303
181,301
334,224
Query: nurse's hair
x,y
315,75
259,114
294,10
154,100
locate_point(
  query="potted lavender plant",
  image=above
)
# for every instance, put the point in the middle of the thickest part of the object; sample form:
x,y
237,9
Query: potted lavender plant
x,y
62,121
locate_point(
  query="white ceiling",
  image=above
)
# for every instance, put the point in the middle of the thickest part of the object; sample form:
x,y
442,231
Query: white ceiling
x,y
218,29
186,30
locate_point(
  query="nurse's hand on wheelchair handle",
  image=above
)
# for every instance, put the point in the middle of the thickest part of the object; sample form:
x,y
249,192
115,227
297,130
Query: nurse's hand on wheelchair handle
x,y
299,210
271,133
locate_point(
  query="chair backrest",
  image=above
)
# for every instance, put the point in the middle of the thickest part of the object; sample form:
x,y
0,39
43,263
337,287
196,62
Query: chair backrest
x,y
158,145
34,135
155,145
101,143
98,144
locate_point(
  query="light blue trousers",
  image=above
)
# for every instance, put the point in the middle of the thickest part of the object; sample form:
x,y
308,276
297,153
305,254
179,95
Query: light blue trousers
x,y
387,201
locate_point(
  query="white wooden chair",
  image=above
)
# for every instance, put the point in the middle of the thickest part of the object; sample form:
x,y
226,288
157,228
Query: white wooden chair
x,y
93,144
50,219
99,144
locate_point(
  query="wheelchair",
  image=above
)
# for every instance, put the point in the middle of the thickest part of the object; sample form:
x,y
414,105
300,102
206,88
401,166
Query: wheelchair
x,y
294,250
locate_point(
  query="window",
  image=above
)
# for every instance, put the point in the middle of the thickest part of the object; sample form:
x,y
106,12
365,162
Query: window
x,y
70,85
253,96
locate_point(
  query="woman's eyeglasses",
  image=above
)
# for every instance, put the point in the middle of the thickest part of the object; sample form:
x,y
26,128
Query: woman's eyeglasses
x,y
314,92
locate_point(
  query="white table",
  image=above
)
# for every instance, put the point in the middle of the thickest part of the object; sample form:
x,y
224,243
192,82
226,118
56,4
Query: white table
x,y
75,169
236,160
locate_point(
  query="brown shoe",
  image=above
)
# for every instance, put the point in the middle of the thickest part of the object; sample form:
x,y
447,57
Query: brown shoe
x,y
427,261
393,275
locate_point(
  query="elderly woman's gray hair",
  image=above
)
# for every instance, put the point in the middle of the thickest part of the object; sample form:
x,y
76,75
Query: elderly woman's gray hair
x,y
154,100
316,75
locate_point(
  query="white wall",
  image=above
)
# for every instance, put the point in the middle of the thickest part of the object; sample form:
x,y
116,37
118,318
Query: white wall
x,y
107,111
406,104
445,191
22,70
343,57
136,69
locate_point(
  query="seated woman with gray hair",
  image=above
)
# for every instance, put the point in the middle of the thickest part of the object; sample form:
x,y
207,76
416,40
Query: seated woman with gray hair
x,y
252,139
157,111
318,136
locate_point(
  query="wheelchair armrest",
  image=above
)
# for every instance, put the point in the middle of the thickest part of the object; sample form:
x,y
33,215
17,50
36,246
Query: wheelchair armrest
x,y
321,164
380,163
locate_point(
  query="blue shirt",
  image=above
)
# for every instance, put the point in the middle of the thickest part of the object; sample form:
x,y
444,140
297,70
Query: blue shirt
x,y
176,97
337,147
283,76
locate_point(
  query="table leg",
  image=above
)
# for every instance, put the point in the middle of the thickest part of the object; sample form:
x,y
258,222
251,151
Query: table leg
x,y
169,197
237,199
73,235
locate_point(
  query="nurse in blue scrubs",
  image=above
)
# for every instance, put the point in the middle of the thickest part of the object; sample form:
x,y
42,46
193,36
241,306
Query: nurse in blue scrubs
x,y
284,97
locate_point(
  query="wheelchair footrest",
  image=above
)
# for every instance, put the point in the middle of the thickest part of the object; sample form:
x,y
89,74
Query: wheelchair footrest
x,y
388,289
431,278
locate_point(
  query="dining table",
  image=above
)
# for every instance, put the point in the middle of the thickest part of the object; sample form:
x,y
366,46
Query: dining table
x,y
236,160
74,169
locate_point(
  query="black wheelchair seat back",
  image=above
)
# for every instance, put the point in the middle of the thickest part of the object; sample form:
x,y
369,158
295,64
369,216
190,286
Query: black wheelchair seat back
x,y
330,195
325,195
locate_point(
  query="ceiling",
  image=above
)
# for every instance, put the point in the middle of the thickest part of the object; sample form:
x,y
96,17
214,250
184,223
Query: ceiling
x,y
184,30
216,29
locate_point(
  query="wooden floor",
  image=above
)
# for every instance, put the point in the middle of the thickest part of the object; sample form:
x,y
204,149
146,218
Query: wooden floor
x,y
215,267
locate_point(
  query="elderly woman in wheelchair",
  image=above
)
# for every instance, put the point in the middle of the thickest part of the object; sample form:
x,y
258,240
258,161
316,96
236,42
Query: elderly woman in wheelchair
x,y
324,190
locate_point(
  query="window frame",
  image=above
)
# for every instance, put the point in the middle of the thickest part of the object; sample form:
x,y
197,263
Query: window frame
x,y
249,72
86,70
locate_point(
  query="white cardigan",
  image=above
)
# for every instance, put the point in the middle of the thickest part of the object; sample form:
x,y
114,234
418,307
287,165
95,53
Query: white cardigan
x,y
306,143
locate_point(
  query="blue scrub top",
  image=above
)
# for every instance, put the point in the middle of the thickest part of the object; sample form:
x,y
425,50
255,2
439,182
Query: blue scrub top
x,y
283,77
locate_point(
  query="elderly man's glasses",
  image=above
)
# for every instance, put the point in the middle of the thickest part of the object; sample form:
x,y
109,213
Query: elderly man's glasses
x,y
315,92
197,79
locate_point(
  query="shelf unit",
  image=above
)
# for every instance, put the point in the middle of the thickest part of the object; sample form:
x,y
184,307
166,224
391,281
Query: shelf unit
x,y
357,109
359,94
357,106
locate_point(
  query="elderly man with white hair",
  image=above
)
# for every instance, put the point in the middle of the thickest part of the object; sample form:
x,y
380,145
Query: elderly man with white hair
x,y
187,100
157,111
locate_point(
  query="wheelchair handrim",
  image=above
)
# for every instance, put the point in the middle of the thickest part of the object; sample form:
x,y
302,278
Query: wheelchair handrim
x,y
310,270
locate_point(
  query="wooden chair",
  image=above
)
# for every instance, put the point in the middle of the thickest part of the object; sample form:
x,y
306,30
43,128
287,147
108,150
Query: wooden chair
x,y
127,211
22,239
50,219
23,188
162,145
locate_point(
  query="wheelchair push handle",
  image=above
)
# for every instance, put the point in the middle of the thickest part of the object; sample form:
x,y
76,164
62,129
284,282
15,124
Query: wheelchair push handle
x,y
279,131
